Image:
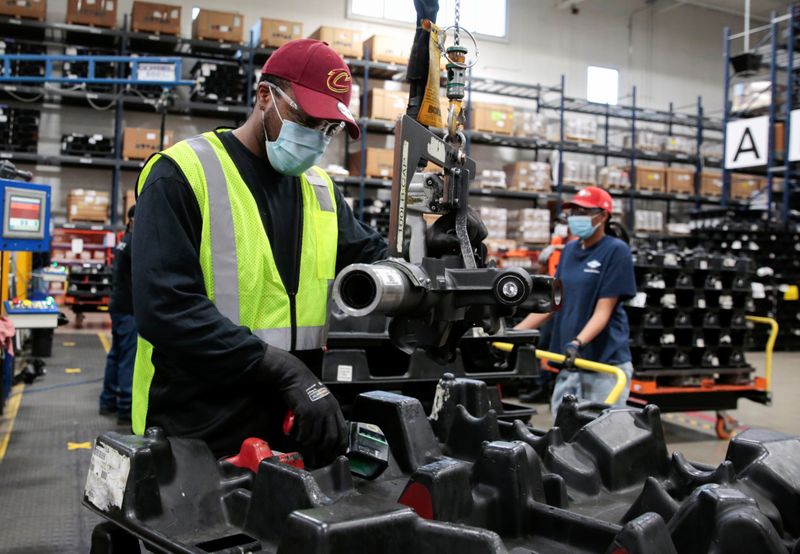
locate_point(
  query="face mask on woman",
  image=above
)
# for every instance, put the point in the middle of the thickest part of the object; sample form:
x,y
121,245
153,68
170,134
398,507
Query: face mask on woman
x,y
581,226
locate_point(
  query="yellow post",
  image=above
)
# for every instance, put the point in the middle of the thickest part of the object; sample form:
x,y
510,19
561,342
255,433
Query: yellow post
x,y
773,336
580,363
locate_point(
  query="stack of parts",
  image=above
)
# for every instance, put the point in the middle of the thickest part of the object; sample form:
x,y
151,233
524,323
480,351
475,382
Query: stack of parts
x,y
88,286
80,70
19,129
649,221
530,124
461,480
376,215
218,83
87,146
688,320
490,179
614,177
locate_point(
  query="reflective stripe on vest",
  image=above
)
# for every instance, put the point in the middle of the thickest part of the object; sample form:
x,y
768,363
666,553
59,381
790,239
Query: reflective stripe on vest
x,y
239,270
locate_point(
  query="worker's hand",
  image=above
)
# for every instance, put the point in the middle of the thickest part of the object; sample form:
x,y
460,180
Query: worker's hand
x,y
318,420
545,254
441,239
570,353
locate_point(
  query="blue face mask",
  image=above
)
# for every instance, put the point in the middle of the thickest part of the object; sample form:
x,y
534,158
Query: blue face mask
x,y
296,149
581,226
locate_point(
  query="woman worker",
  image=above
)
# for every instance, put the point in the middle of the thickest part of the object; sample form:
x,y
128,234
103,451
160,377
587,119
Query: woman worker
x,y
597,274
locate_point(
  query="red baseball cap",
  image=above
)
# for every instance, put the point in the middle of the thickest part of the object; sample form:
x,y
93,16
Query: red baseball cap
x,y
320,79
591,197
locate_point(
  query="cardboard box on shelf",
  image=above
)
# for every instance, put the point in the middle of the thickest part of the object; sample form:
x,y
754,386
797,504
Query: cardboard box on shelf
x,y
711,184
495,220
382,48
140,144
614,178
152,17
386,104
492,118
379,163
680,180
95,13
743,185
679,145
26,9
87,205
346,42
529,176
651,178
529,225
490,179
529,124
779,139
221,26
273,33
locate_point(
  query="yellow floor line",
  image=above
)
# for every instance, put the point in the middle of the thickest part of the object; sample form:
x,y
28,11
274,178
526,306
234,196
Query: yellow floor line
x,y
104,341
11,414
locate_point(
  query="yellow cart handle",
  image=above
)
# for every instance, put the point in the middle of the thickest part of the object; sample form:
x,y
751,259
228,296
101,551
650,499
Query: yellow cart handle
x,y
580,363
773,336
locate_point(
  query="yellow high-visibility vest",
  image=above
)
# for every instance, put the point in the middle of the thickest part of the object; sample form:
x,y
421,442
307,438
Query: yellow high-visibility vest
x,y
239,270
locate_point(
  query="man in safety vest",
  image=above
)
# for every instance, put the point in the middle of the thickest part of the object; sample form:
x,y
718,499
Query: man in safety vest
x,y
239,238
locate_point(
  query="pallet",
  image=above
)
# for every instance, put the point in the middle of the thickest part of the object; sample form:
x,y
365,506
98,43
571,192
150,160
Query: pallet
x,y
25,17
218,40
584,140
680,190
152,32
649,188
90,25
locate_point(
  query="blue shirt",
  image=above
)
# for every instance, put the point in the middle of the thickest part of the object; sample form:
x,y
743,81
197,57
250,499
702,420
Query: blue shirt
x,y
603,271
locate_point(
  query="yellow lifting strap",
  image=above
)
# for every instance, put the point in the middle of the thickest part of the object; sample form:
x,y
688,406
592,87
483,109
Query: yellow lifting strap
x,y
580,363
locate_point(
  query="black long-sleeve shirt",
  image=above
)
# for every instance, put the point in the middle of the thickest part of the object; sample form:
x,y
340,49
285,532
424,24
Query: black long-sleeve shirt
x,y
121,301
201,387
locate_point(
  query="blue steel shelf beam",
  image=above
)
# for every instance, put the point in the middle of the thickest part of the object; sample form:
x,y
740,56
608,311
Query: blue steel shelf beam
x,y
136,63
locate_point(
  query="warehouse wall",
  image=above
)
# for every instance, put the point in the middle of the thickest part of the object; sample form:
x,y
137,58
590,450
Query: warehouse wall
x,y
675,55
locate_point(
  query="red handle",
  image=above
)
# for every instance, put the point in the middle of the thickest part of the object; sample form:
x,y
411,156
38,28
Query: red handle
x,y
288,422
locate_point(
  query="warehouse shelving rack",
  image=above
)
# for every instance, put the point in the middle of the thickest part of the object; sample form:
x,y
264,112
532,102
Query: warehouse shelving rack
x,y
783,57
123,42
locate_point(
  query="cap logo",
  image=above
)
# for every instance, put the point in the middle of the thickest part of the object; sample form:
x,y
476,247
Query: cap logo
x,y
338,81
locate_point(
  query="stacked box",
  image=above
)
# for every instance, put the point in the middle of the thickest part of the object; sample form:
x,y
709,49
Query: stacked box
x,y
646,141
680,180
218,83
579,173
379,163
346,42
492,118
87,205
743,186
274,33
651,178
576,129
221,26
19,129
490,178
495,220
530,225
381,48
711,183
152,17
529,124
96,13
140,144
529,176
87,146
679,145
649,221
26,9
387,104
614,177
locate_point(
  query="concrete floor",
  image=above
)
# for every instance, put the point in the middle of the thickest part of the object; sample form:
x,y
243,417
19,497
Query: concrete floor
x,y
693,433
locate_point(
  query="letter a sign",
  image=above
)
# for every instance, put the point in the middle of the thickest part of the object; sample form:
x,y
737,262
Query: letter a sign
x,y
747,143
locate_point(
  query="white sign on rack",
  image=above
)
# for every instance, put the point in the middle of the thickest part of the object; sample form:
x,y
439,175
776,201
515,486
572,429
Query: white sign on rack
x,y
794,139
747,142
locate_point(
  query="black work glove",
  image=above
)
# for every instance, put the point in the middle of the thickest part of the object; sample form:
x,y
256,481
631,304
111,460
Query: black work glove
x,y
318,420
570,353
441,239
